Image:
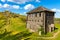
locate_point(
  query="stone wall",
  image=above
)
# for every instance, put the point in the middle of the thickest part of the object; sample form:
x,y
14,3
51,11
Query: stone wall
x,y
50,21
34,22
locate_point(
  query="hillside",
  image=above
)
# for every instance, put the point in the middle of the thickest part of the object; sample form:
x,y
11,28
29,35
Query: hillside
x,y
11,24
8,20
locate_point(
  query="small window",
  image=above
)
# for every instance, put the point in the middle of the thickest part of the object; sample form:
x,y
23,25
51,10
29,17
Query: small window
x,y
36,15
39,14
48,21
38,20
41,20
31,15
32,20
29,20
28,15
35,20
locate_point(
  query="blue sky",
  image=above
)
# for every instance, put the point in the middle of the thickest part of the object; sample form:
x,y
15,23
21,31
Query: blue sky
x,y
23,6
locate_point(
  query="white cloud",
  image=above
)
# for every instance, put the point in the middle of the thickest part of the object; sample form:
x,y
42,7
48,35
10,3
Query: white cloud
x,y
24,12
3,0
0,5
10,0
23,1
57,10
37,0
15,7
6,5
53,9
9,6
57,15
29,7
19,1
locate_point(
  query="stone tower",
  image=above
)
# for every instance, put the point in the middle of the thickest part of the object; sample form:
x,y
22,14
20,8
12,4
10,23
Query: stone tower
x,y
40,18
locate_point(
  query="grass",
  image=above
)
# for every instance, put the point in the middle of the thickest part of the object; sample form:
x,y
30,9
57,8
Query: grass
x,y
58,36
57,25
47,35
14,29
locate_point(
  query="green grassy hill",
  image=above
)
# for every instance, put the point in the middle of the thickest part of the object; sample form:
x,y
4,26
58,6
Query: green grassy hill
x,y
11,25
11,21
57,22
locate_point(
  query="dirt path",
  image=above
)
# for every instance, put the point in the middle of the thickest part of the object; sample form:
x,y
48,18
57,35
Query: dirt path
x,y
55,35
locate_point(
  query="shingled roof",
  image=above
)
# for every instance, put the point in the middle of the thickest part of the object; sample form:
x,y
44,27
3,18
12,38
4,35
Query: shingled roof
x,y
39,9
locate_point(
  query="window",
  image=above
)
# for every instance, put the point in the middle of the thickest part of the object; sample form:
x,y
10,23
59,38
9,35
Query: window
x,y
31,15
35,20
41,20
29,20
38,20
39,14
48,21
36,15
32,20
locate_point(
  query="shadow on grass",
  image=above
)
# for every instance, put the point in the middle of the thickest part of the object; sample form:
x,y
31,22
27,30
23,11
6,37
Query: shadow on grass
x,y
55,28
6,35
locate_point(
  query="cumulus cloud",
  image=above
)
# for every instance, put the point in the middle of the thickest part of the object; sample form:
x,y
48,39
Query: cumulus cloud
x,y
10,0
19,1
0,5
29,7
37,0
24,13
15,7
9,6
57,10
6,5
3,0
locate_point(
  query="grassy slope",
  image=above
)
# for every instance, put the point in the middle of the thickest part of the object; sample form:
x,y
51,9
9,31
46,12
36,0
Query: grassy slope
x,y
16,23
11,26
57,24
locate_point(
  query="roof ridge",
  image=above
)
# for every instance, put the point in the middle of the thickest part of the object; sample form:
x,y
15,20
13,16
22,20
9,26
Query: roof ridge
x,y
38,9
